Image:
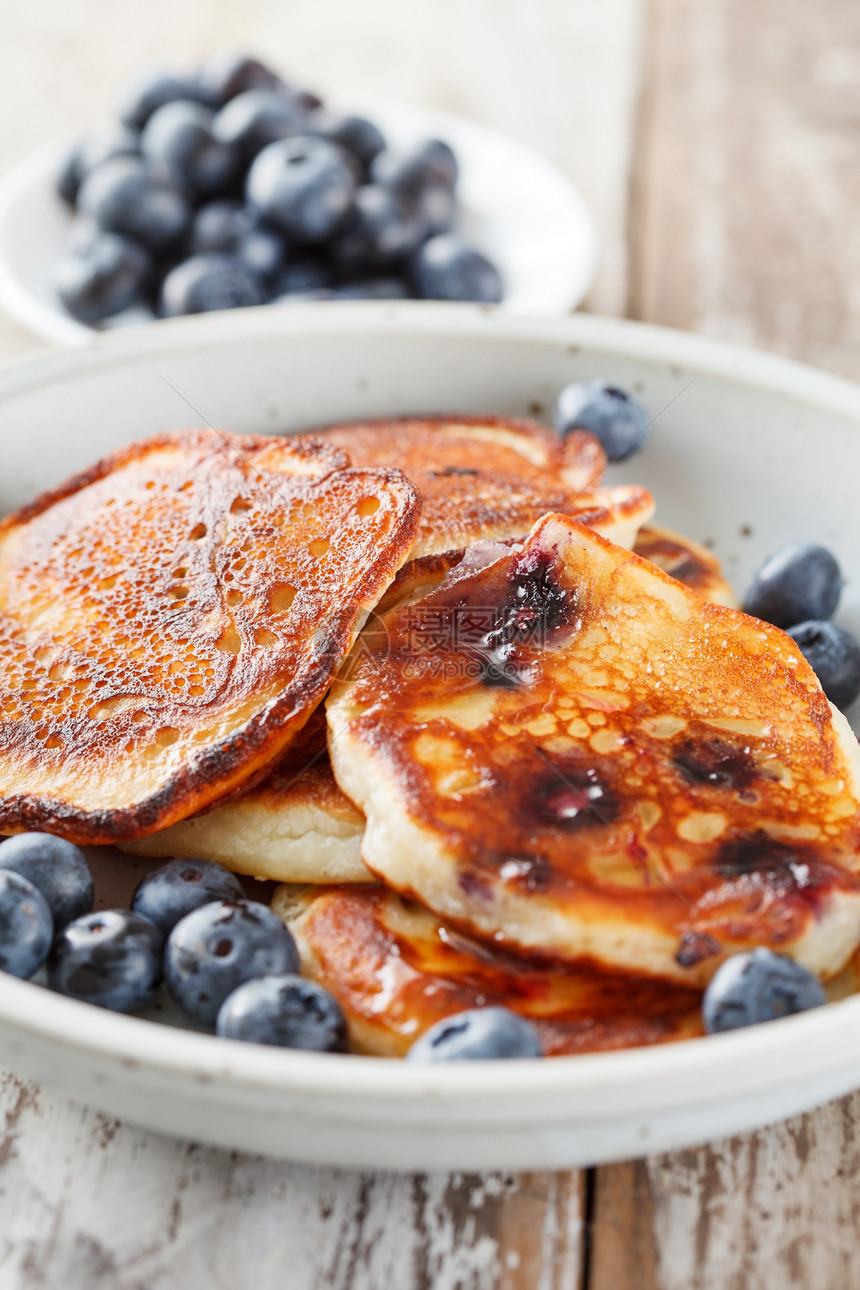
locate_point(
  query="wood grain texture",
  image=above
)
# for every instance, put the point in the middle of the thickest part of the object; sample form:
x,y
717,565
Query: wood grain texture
x,y
89,1204
747,181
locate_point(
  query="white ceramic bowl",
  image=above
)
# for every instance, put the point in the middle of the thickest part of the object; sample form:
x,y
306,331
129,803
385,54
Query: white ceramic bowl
x,y
741,442
514,205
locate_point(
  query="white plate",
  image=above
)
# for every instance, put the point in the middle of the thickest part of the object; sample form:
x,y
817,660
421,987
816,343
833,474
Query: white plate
x,y
741,442
514,205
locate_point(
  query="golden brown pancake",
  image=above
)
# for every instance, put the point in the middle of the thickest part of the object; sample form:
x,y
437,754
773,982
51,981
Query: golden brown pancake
x,y
571,755
492,477
684,559
294,826
170,619
396,970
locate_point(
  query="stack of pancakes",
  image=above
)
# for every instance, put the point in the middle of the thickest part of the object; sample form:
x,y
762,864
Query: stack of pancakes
x,y
502,741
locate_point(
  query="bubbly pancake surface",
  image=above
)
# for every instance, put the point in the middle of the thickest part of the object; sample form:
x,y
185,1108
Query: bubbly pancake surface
x,y
396,970
570,754
493,477
688,561
294,826
169,620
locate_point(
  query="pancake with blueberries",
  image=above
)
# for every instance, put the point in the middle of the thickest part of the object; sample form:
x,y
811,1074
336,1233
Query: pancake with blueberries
x,y
294,826
493,477
170,618
396,970
564,752
686,560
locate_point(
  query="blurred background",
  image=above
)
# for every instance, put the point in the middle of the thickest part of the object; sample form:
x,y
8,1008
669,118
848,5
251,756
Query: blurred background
x,y
716,142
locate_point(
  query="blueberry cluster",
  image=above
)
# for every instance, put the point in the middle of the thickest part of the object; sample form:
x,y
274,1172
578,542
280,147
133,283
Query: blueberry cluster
x,y
229,962
227,187
798,589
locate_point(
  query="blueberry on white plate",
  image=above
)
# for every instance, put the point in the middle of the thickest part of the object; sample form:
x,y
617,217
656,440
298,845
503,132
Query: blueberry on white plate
x,y
758,986
207,282
446,268
57,868
302,186
127,195
480,1034
217,948
799,583
180,136
101,274
26,926
834,656
285,1011
614,416
111,959
179,887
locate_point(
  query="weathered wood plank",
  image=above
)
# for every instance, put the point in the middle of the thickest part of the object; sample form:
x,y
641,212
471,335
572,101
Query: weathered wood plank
x,y
747,180
89,1204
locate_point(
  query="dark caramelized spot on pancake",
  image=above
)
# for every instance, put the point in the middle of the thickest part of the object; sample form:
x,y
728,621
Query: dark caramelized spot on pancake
x,y
716,762
695,947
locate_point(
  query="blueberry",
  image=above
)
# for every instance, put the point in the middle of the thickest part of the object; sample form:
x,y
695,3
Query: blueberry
x,y
231,74
383,228
431,162
285,1011
207,282
302,186
88,154
437,208
801,582
758,986
255,119
111,958
179,887
228,227
151,90
217,948
373,289
57,868
26,926
354,133
125,195
834,656
303,273
445,268
179,135
615,417
482,1034
101,274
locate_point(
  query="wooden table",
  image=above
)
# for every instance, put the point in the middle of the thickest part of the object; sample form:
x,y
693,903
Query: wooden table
x,y
718,144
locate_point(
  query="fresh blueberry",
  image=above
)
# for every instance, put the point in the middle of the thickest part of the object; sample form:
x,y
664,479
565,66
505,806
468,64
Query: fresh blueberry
x,y
801,582
57,868
615,417
179,887
834,656
231,74
383,229
101,274
262,252
374,289
125,195
255,119
445,268
481,1034
207,282
26,927
354,133
302,186
432,162
151,90
217,948
179,136
228,227
285,1011
88,154
303,273
111,958
758,986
